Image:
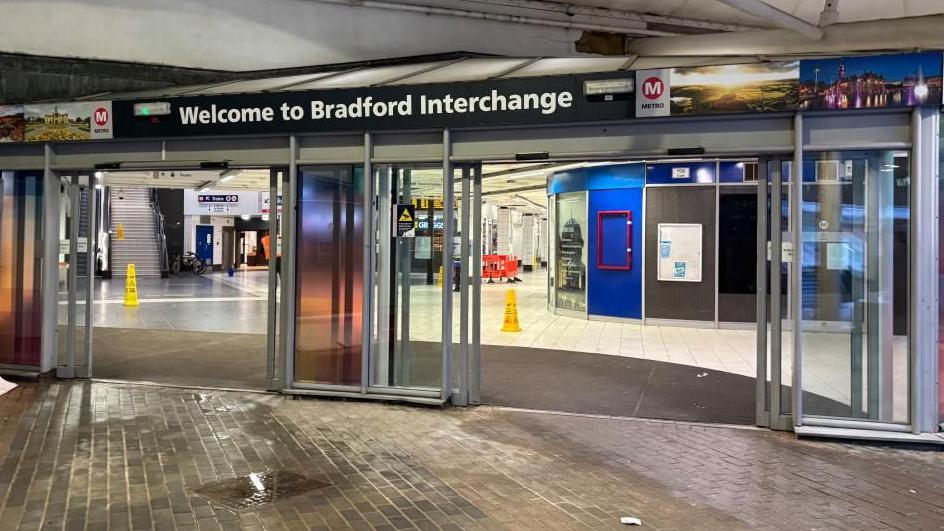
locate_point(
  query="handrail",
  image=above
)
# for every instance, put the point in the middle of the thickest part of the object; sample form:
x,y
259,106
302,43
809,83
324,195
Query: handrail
x,y
159,231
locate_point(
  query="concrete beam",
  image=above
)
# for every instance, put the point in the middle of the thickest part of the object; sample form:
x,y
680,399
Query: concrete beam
x,y
870,36
777,17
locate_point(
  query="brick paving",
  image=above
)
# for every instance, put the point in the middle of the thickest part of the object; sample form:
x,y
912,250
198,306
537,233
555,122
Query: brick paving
x,y
81,455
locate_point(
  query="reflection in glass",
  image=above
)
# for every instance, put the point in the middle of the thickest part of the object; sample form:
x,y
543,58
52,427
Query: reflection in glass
x,y
571,251
855,277
329,277
407,329
20,275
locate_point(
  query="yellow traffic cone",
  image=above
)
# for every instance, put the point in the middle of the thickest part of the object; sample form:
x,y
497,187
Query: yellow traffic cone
x,y
510,323
131,288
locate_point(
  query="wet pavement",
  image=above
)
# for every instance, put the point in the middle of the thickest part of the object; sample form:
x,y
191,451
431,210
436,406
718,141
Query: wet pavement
x,y
119,456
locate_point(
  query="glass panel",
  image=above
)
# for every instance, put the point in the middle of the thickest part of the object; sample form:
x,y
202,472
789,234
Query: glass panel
x,y
83,245
552,254
786,322
65,261
21,210
407,331
572,251
329,278
855,278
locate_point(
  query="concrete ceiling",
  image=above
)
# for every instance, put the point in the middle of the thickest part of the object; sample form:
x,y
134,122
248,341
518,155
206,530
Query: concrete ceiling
x,y
249,35
808,10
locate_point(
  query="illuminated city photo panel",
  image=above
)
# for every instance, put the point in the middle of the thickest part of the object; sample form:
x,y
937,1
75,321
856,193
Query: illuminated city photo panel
x,y
900,80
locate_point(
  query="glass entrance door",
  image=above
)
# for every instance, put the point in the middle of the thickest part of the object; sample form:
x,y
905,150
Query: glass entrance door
x,y
413,248
833,291
854,321
76,273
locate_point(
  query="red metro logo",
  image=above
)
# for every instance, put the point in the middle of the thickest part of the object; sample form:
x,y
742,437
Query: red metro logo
x,y
100,116
653,88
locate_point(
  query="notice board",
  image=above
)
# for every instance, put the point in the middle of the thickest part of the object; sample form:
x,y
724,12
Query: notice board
x,y
680,252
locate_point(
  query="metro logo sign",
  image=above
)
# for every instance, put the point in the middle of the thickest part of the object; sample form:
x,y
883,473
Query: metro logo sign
x,y
100,119
101,116
653,92
652,88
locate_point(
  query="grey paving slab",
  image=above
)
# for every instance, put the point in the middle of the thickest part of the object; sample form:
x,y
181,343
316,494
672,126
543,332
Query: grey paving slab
x,y
119,456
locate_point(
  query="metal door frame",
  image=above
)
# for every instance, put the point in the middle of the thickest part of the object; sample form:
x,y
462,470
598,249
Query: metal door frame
x,y
70,368
470,285
768,402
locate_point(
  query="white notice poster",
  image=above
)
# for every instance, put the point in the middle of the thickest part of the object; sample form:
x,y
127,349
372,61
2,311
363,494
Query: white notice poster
x,y
680,252
6,386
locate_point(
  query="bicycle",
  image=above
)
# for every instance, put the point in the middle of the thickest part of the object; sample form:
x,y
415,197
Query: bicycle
x,y
188,262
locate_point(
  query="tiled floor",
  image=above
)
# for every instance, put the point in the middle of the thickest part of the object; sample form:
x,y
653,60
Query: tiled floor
x,y
102,456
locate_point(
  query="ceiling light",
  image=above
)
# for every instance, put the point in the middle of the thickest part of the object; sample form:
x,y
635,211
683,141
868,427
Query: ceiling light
x,y
608,86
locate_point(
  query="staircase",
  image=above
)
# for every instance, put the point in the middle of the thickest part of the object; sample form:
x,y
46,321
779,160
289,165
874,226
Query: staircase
x,y
131,208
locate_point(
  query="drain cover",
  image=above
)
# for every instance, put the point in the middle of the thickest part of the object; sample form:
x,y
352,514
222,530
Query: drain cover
x,y
259,488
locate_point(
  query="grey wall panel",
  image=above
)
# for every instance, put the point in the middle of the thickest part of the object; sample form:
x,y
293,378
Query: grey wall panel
x,y
717,135
189,153
331,149
852,128
693,301
238,151
85,155
413,146
21,157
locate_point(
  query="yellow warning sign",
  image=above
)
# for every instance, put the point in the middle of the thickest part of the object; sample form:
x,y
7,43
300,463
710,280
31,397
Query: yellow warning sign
x,y
510,323
405,221
131,288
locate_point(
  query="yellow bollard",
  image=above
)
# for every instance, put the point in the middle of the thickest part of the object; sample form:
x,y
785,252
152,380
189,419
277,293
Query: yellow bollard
x,y
510,324
440,275
131,288
121,232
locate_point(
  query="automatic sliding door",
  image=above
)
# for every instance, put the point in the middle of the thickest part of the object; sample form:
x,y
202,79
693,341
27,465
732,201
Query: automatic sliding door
x,y
407,337
76,274
856,217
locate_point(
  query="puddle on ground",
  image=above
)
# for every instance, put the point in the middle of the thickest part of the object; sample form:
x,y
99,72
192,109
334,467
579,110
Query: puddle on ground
x,y
258,488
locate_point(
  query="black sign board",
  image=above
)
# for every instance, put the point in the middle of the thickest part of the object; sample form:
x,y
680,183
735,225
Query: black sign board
x,y
550,99
405,221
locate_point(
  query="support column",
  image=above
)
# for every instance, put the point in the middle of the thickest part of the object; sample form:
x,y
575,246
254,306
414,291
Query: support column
x,y
527,242
50,282
504,230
